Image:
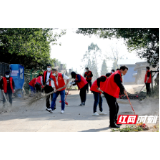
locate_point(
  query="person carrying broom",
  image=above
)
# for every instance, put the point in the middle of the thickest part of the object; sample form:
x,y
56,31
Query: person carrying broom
x,y
59,86
47,85
96,90
112,88
82,86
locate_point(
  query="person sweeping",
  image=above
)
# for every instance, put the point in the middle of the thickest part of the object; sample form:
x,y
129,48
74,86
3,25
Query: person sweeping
x,y
148,80
32,86
39,83
88,75
59,86
8,87
47,85
82,86
96,90
112,88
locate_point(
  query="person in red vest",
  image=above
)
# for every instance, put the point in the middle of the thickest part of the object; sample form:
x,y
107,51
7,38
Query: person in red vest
x,y
88,74
47,84
8,87
82,86
39,83
59,85
148,80
32,86
112,88
96,90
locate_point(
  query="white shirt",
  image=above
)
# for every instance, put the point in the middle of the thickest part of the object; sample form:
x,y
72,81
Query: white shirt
x,y
48,74
64,77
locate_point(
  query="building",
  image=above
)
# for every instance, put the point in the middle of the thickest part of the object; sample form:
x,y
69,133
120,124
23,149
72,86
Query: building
x,y
140,68
132,75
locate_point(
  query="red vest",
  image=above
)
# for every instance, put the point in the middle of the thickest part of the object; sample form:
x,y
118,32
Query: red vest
x,y
32,82
110,87
82,83
5,84
150,78
44,77
88,74
94,85
38,80
61,82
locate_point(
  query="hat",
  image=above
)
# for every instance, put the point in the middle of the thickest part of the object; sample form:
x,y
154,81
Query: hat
x,y
7,72
48,64
108,74
73,74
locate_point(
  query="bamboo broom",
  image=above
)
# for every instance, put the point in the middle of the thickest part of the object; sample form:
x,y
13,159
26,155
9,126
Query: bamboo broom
x,y
38,96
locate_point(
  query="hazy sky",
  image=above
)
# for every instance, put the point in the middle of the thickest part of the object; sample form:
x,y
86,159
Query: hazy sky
x,y
75,45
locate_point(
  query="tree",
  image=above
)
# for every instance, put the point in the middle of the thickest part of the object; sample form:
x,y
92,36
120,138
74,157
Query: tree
x,y
27,46
144,40
104,68
114,55
94,70
91,57
94,52
89,65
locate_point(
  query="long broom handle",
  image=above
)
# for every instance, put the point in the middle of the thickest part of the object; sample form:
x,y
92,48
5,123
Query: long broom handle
x,y
53,91
5,96
144,85
130,104
140,90
68,92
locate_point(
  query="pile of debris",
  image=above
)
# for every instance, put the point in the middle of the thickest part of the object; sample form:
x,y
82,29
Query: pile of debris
x,y
140,96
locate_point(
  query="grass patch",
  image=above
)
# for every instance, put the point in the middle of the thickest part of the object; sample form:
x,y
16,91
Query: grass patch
x,y
132,128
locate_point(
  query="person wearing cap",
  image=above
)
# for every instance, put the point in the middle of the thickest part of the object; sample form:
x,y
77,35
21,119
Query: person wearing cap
x,y
96,90
47,84
8,87
59,86
88,75
82,86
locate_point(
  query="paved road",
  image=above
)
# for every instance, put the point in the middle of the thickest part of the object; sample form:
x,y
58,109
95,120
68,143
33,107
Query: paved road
x,y
75,119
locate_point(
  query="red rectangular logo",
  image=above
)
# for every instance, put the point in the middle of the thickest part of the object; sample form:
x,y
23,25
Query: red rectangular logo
x,y
127,119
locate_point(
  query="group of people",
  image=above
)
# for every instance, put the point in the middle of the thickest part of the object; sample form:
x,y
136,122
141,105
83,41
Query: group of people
x,y
54,82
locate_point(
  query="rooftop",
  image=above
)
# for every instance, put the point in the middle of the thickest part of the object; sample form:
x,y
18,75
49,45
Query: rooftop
x,y
129,61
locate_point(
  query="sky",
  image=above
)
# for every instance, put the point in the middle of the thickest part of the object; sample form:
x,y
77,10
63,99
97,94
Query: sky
x,y
73,47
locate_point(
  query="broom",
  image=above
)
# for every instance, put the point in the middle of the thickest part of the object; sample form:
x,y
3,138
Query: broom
x,y
130,104
38,96
66,97
8,104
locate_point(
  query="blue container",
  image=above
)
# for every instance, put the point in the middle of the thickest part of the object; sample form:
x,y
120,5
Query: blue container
x,y
17,73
